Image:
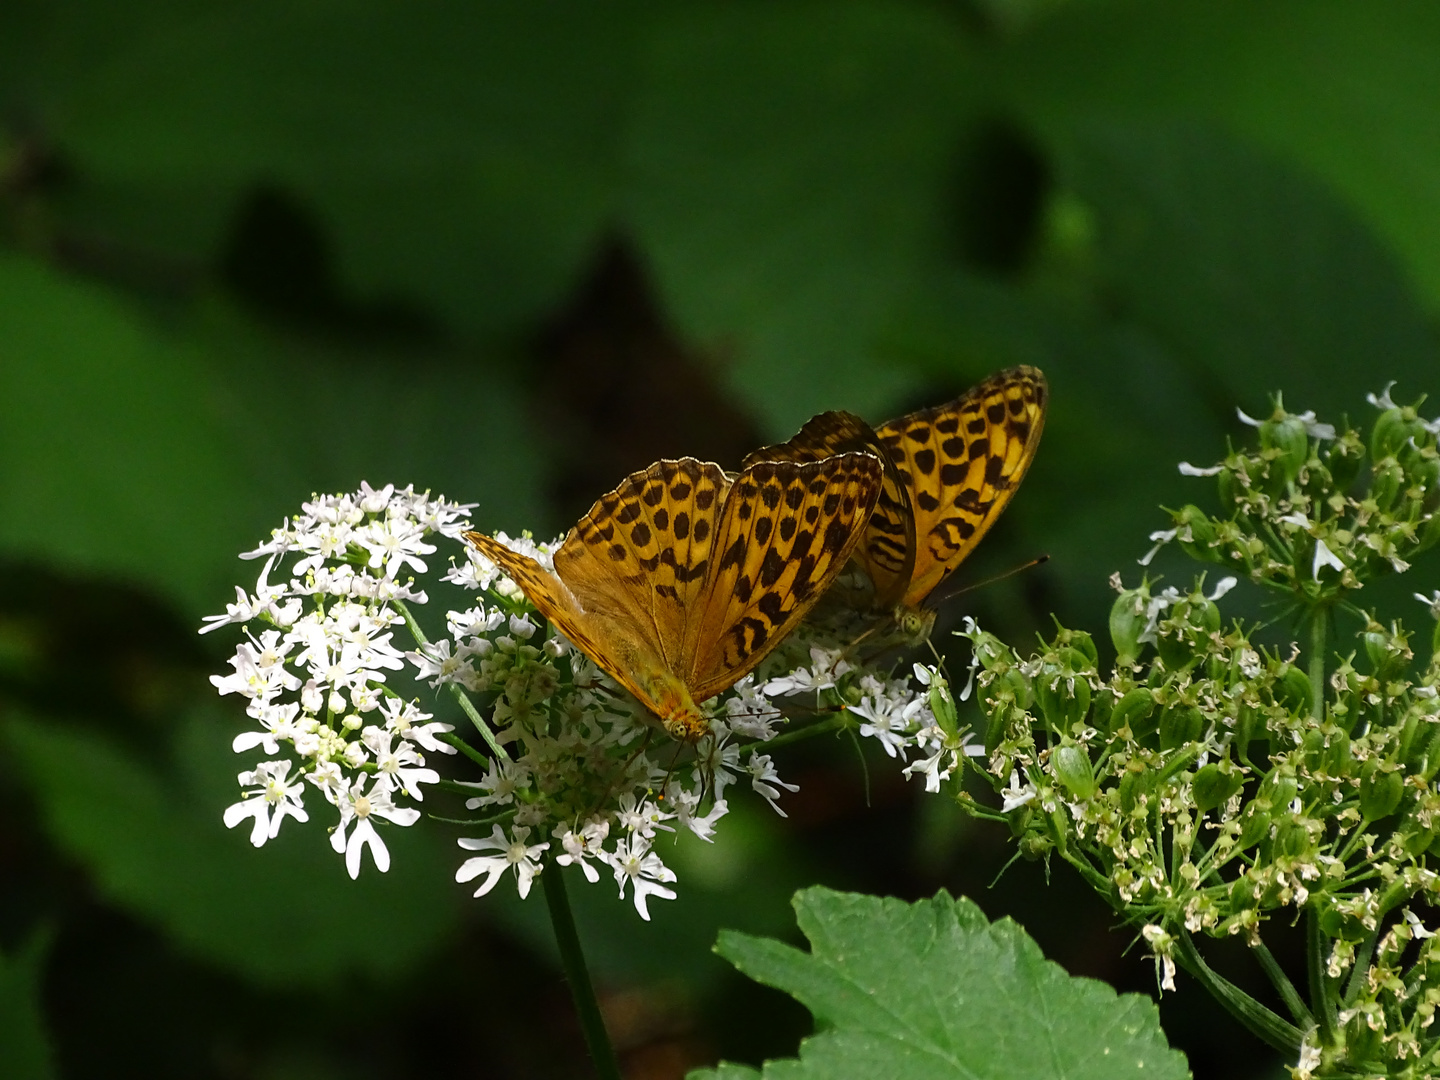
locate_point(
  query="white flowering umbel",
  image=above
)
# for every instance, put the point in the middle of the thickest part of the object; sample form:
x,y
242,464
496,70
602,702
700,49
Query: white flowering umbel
x,y
570,768
1206,784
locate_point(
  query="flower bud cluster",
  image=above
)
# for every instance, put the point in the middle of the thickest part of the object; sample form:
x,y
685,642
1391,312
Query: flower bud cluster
x,y
1207,784
1315,513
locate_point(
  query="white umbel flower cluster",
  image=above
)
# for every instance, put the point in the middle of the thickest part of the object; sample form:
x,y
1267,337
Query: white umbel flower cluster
x,y
569,767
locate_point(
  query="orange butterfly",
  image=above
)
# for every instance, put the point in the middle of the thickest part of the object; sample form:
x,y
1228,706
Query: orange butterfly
x,y
949,472
681,580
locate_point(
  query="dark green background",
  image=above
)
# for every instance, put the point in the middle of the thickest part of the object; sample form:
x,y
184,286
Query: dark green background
x,y
510,252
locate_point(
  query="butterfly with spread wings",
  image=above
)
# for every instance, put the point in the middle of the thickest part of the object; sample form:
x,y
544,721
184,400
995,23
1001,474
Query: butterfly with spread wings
x,y
949,471
683,579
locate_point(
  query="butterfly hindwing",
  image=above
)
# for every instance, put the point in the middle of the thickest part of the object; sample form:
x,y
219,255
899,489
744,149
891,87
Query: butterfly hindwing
x,y
961,463
887,550
786,530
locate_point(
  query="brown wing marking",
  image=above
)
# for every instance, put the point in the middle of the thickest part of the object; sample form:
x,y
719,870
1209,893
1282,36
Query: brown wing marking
x,y
887,551
962,462
654,533
786,530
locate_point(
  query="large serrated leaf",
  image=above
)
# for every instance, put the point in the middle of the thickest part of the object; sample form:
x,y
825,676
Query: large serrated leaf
x,y
933,991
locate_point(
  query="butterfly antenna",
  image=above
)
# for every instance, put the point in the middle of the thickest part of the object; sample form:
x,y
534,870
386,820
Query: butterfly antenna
x,y
1037,561
670,771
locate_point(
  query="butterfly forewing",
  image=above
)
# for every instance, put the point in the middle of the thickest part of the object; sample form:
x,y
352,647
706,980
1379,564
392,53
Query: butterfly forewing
x,y
961,463
646,546
595,626
887,550
786,530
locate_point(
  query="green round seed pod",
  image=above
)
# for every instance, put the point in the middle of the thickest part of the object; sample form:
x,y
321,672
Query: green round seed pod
x,y
1417,842
1180,725
1363,1045
1242,894
1387,480
1292,838
1126,626
1286,434
1133,710
1343,458
1293,689
1393,431
1175,651
1227,486
1133,784
1201,544
1279,790
1073,769
1336,924
1034,846
1254,824
942,707
1380,791
1337,760
1213,786
1084,644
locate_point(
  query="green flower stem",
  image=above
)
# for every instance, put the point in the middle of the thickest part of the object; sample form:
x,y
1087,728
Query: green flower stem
x,y
1321,997
1258,1020
1318,625
464,748
834,723
1288,994
572,959
466,705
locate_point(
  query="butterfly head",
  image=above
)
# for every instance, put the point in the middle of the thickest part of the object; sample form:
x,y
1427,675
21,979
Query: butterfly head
x,y
913,624
685,724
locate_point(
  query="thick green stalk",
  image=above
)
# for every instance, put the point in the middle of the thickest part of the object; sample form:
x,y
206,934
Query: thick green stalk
x,y
1321,997
577,973
1319,618
1288,994
1257,1019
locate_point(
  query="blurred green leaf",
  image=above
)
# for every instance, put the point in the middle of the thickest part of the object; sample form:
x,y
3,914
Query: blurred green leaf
x,y
24,1043
790,168
1346,89
1250,274
462,156
113,455
932,989
286,914
158,454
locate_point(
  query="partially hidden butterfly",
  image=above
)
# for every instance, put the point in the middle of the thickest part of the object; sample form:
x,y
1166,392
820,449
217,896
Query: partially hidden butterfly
x,y
681,580
949,472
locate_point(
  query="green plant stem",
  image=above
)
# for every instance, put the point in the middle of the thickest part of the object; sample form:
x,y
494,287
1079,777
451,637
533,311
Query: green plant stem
x,y
1319,619
577,973
464,748
1293,1001
466,705
1258,1020
797,734
1321,1002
